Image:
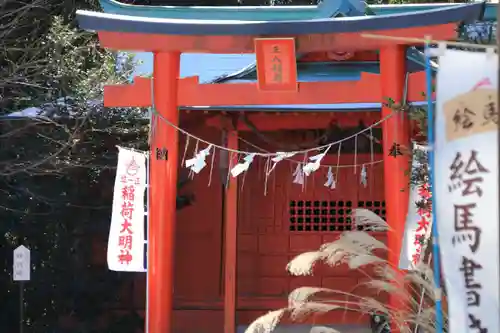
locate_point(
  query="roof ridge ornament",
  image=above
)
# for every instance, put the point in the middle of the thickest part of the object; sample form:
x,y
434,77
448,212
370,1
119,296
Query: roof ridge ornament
x,y
330,8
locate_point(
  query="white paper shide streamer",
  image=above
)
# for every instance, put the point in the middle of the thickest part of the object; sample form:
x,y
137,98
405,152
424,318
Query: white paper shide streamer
x,y
280,156
330,179
314,162
198,162
364,176
418,223
239,168
126,234
466,188
298,175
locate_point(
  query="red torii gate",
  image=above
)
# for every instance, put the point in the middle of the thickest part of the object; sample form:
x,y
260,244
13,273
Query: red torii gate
x,y
168,38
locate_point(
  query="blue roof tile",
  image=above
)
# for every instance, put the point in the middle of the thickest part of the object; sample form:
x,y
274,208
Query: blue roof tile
x,y
340,107
207,66
241,68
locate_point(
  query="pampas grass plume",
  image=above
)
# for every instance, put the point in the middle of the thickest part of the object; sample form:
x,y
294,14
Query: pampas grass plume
x,y
355,248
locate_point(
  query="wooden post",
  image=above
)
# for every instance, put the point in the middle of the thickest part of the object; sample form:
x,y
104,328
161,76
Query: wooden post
x,y
396,144
231,233
163,191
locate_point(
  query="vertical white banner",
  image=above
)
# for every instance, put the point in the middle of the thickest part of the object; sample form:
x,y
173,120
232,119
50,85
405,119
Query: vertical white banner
x,y
418,223
466,188
126,234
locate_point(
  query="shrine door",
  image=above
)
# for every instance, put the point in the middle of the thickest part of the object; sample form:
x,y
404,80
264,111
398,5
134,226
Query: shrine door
x,y
281,219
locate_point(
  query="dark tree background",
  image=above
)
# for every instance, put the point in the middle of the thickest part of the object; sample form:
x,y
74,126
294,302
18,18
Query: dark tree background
x,y
57,171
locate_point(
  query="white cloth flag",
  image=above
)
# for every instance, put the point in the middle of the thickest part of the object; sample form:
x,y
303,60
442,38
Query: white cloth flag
x,y
418,223
467,188
126,234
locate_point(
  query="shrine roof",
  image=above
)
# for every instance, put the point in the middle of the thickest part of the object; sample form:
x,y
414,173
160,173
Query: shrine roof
x,y
327,8
214,68
227,68
195,27
328,71
230,68
208,67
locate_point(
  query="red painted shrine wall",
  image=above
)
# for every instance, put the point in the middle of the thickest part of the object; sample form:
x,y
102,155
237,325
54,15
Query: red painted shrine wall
x,y
272,229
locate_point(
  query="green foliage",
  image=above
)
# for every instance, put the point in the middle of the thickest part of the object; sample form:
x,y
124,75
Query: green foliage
x,y
40,56
67,63
56,179
56,175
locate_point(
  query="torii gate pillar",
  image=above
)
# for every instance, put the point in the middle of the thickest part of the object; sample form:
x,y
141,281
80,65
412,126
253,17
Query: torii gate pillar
x,y
163,192
396,144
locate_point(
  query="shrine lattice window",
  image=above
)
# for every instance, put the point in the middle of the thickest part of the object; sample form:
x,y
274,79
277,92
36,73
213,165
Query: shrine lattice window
x,y
322,215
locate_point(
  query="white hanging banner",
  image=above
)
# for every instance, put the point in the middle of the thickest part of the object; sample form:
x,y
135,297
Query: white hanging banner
x,y
126,234
418,223
466,188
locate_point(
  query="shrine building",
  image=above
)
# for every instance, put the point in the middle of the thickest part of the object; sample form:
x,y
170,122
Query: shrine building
x,y
270,79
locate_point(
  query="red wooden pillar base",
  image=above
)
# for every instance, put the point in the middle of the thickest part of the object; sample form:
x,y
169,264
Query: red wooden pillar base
x,y
163,191
396,131
230,246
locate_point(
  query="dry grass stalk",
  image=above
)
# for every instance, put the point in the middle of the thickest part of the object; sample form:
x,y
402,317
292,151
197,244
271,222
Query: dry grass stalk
x,y
355,248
